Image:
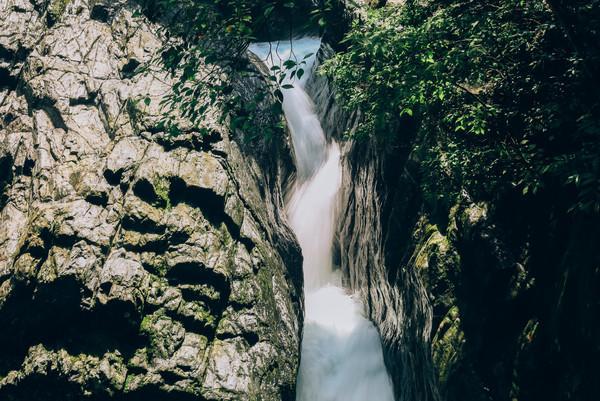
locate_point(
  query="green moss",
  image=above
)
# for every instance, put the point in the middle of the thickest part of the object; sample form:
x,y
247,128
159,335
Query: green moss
x,y
128,381
529,333
434,244
146,324
447,344
133,108
56,9
206,317
162,268
161,189
150,328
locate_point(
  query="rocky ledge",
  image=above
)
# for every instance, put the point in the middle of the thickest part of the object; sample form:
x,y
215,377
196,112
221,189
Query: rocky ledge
x,y
132,264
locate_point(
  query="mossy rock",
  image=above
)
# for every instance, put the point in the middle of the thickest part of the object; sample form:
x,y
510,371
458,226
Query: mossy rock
x,y
447,344
164,334
56,10
162,187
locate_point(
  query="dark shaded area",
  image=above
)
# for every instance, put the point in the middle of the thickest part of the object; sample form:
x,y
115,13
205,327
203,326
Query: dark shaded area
x,y
53,388
9,73
189,272
88,100
46,388
42,103
156,393
128,69
113,177
250,338
270,19
28,166
284,21
7,81
206,288
101,11
6,177
97,198
52,315
211,205
145,190
288,393
513,295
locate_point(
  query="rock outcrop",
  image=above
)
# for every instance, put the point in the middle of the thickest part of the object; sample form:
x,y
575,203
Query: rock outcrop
x,y
368,252
132,263
474,299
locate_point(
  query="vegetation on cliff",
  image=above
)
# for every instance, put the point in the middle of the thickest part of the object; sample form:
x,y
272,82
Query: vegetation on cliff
x,y
207,54
504,91
133,265
479,120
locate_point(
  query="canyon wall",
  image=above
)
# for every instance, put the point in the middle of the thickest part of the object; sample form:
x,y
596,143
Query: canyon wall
x,y
133,263
475,299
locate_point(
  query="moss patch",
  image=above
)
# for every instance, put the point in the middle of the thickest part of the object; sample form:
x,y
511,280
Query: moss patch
x,y
447,344
161,189
56,9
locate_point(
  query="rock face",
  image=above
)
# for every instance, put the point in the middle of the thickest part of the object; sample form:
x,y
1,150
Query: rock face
x,y
378,253
132,264
369,254
478,301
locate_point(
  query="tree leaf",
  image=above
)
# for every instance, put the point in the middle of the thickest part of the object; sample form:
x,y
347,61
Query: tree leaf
x,y
279,95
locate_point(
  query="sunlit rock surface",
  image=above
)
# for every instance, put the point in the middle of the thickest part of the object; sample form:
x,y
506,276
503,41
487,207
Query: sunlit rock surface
x,y
132,264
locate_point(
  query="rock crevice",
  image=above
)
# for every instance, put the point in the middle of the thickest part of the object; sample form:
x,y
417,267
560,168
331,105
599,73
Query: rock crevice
x,y
132,264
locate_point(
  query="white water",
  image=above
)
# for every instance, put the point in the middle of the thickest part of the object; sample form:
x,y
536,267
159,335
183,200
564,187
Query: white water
x,y
342,358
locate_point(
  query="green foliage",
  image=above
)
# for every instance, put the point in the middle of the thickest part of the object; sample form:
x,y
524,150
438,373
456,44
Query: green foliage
x,y
503,95
161,189
207,55
56,9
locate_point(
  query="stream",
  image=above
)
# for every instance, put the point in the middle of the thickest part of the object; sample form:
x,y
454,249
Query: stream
x,y
341,355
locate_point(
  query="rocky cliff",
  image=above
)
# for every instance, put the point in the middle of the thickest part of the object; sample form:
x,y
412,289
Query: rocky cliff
x,y
476,299
132,263
375,215
492,301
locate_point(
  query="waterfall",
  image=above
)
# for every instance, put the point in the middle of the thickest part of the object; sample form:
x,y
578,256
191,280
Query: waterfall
x,y
341,356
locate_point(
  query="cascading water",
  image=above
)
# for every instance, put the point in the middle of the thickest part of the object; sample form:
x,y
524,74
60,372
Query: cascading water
x,y
341,356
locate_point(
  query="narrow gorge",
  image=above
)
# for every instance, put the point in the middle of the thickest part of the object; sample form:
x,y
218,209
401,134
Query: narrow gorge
x,y
341,356
298,200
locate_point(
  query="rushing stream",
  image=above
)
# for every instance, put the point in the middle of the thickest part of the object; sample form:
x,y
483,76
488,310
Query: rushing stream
x,y
342,358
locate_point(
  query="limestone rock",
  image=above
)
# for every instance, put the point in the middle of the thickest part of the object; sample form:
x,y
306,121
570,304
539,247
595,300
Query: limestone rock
x,y
132,264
